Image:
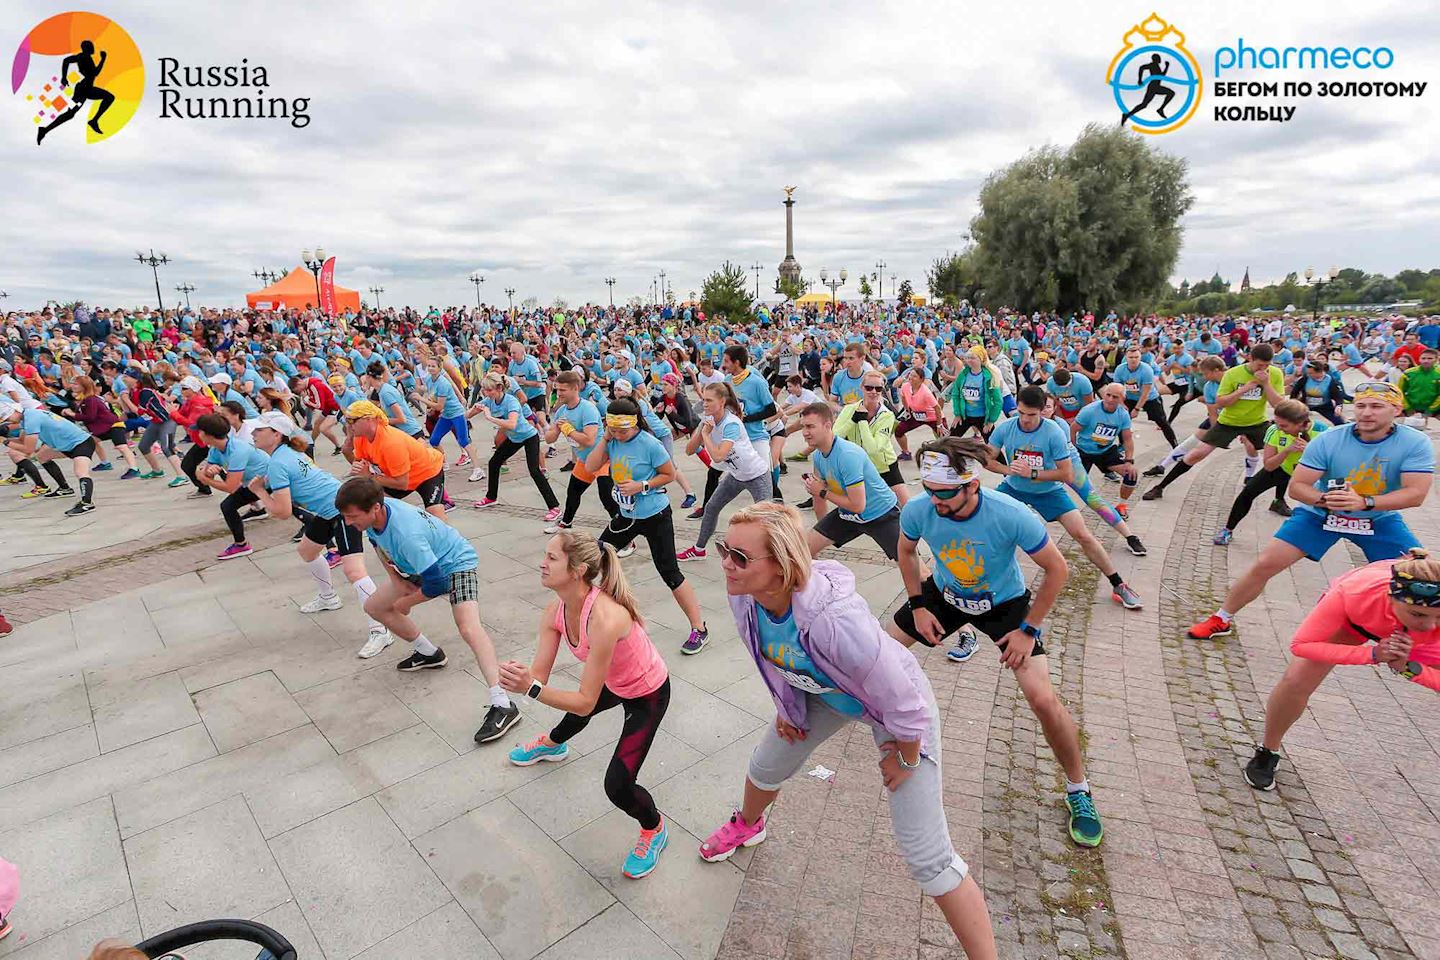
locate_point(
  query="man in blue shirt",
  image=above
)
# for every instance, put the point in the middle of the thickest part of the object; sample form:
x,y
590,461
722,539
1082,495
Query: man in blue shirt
x,y
37,429
425,558
844,477
758,404
1141,391
526,371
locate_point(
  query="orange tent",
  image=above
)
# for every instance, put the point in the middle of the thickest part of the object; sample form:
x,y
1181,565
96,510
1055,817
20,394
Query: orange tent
x,y
296,290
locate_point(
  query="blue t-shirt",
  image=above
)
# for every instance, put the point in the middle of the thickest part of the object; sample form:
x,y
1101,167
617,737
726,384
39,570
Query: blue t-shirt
x,y
1073,395
508,404
754,395
1368,468
1099,429
251,411
972,393
441,388
1043,449
414,541
975,565
390,395
242,456
309,486
847,388
528,369
780,644
846,466
1133,380
583,414
638,458
53,430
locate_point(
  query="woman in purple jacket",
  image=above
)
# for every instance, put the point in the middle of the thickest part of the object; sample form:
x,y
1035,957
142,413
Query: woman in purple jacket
x,y
828,662
95,415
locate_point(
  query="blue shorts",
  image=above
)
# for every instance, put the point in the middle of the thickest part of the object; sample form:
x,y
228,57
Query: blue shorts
x,y
456,425
1050,504
1305,531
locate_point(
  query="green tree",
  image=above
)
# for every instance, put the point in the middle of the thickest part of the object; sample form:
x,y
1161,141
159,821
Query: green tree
x,y
905,292
954,277
866,291
725,291
792,289
1095,225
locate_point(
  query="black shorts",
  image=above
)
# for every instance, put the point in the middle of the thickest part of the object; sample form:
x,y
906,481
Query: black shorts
x,y
1107,459
884,530
86,448
892,476
994,623
965,423
431,491
537,403
116,435
1223,434
347,539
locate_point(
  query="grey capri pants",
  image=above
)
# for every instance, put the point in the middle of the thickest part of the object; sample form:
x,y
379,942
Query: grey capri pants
x,y
162,432
728,489
917,809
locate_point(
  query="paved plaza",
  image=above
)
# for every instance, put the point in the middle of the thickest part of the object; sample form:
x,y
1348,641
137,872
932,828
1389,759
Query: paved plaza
x,y
178,742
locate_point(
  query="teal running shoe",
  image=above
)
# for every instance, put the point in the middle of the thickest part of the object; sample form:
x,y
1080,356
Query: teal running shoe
x,y
646,854
1085,826
532,753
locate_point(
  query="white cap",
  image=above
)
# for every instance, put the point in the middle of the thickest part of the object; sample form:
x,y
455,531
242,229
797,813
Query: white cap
x,y
624,387
192,383
221,378
277,421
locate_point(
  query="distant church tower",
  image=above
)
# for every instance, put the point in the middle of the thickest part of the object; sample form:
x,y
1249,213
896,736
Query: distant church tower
x,y
1245,281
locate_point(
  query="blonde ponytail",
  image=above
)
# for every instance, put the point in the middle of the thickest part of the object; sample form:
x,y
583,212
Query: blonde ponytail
x,y
599,566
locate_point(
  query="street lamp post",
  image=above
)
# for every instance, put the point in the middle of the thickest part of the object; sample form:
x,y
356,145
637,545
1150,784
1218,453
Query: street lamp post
x,y
662,288
187,289
476,279
154,263
510,293
377,291
267,277
313,263
1319,283
893,289
757,268
834,283
610,282
880,266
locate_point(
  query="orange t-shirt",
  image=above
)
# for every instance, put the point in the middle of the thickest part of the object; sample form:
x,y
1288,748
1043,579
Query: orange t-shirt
x,y
395,454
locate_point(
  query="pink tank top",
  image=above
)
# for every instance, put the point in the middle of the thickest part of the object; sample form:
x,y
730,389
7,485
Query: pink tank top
x,y
636,667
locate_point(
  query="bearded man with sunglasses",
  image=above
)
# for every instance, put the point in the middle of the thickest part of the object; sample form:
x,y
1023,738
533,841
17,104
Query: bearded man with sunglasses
x,y
973,534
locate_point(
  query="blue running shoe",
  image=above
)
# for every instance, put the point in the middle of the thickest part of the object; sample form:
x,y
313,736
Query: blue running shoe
x,y
646,854
688,502
965,646
1085,827
1222,539
532,753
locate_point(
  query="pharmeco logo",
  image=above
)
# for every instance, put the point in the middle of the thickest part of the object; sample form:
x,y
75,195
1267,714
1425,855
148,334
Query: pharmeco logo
x,y
1155,81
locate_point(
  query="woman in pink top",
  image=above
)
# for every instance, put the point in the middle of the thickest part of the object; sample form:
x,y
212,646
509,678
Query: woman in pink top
x,y
594,615
919,408
1386,612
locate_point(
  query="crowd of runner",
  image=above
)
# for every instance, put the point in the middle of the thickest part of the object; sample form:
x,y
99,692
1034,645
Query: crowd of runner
x,y
346,427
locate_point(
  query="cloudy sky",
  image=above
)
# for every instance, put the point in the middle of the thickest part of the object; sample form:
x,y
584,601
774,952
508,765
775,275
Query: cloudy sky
x,y
550,145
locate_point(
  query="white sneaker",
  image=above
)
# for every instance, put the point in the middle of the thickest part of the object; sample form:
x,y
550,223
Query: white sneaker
x,y
626,551
477,474
321,604
557,526
378,641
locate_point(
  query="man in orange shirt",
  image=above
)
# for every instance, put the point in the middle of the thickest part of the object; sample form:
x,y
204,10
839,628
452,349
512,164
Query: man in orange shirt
x,y
398,462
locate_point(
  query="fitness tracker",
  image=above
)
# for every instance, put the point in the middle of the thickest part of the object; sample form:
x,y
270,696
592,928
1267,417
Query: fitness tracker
x,y
1412,670
645,486
1034,473
1030,630
535,687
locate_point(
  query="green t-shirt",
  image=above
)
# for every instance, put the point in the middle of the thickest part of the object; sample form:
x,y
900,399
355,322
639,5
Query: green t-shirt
x,y
1249,410
144,328
1280,440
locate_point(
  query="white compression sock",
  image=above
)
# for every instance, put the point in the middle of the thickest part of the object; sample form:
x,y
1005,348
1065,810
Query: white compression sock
x,y
1250,464
363,588
498,697
424,647
1178,454
320,573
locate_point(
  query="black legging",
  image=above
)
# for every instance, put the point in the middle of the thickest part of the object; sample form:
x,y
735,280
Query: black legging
x,y
1263,480
1183,395
659,534
1155,410
642,720
230,510
576,490
504,452
712,480
191,462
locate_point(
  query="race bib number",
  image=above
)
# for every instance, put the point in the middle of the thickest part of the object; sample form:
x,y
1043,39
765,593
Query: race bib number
x,y
1352,526
1254,393
971,394
1030,459
1104,435
802,682
1313,402
978,604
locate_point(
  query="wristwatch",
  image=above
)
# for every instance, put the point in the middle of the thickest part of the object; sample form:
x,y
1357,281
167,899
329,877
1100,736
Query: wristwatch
x,y
1030,630
917,602
1034,473
535,687
1369,503
645,486
1412,670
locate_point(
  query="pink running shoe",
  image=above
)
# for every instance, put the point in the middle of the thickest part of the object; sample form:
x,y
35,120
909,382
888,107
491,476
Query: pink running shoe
x,y
690,553
484,502
332,558
552,515
234,551
464,460
731,836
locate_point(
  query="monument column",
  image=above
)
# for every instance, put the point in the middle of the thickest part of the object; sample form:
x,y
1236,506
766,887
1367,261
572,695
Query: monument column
x,y
789,267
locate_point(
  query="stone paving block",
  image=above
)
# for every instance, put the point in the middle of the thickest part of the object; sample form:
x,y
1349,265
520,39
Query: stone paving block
x,y
47,753
211,863
152,707
488,859
448,932
702,796
685,900
751,695
302,796
343,866
99,776
353,711
246,710
706,723
53,706
49,638
71,867
616,934
164,798
73,941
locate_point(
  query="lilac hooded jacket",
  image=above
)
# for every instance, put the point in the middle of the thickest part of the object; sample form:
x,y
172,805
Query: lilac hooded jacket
x,y
845,640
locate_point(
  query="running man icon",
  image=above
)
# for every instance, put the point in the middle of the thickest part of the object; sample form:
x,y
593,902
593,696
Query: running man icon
x,y
85,89
1155,88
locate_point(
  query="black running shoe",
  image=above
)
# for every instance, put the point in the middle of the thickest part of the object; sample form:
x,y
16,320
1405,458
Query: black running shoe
x,y
84,506
497,721
1260,771
1155,471
1280,507
59,492
1154,493
1112,476
1136,547
418,661
299,535
255,513
806,504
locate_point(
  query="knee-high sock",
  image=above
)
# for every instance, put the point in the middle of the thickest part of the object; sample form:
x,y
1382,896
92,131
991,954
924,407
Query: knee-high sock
x,y
320,572
1180,469
28,468
363,588
1178,453
1251,463
87,489
53,468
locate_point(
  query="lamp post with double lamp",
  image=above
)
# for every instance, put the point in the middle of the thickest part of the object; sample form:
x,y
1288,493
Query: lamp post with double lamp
x,y
610,282
477,279
187,289
267,277
510,295
880,266
313,263
377,291
154,262
834,283
662,287
1319,283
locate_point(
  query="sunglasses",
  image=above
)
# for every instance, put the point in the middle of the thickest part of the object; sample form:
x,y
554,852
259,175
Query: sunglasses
x,y
945,493
869,389
1375,386
740,558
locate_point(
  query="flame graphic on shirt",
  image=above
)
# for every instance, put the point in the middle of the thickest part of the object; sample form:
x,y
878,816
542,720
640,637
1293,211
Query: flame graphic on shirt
x,y
620,470
1368,479
967,566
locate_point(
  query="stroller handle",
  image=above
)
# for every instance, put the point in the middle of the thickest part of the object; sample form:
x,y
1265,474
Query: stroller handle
x,y
193,933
